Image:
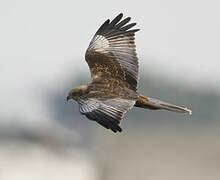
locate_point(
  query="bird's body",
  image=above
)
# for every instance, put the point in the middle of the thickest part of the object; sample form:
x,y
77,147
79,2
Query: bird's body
x,y
113,64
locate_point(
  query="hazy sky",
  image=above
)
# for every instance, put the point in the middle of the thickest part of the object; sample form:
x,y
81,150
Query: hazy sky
x,y
43,42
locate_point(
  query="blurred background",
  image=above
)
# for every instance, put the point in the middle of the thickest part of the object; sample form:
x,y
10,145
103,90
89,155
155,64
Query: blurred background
x,y
42,46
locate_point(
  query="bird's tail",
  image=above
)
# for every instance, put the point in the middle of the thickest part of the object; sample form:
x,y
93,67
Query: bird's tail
x,y
154,104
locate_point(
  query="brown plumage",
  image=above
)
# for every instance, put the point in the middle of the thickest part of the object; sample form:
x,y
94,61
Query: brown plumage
x,y
113,64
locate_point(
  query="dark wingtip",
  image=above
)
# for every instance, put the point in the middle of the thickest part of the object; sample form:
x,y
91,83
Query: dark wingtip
x,y
120,129
134,30
120,14
116,129
116,20
117,26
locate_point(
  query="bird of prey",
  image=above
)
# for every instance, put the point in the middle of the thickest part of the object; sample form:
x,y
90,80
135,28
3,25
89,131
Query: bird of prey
x,y
113,65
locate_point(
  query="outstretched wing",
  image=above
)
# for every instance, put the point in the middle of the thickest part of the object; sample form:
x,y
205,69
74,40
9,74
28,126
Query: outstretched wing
x,y
107,113
112,52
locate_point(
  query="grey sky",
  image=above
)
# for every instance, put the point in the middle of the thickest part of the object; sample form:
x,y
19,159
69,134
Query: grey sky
x,y
42,42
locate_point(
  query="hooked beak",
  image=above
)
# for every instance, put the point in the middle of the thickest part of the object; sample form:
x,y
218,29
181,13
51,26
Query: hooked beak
x,y
68,98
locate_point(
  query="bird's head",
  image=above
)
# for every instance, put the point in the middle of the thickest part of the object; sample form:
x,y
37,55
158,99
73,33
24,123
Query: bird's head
x,y
77,92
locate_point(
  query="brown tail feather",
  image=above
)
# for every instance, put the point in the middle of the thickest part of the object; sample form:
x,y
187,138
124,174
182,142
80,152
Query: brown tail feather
x,y
154,104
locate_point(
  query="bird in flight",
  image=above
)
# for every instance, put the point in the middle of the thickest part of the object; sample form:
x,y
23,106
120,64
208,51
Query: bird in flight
x,y
113,65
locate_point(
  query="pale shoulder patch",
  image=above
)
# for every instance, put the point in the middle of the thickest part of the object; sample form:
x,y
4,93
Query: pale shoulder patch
x,y
99,44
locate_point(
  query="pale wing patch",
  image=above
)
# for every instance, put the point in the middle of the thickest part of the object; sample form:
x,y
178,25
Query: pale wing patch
x,y
88,105
121,105
99,44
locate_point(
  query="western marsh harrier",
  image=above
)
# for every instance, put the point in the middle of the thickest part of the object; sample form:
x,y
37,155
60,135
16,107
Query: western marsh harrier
x,y
113,64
